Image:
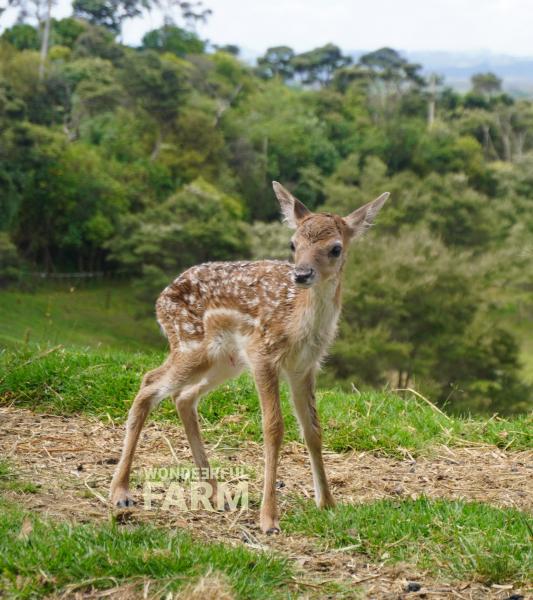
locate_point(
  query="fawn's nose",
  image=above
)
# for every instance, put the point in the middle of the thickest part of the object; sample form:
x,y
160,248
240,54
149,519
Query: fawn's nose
x,y
304,275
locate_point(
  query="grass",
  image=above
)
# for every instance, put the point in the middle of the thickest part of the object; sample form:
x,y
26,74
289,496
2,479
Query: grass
x,y
103,384
10,482
464,540
38,558
98,373
94,315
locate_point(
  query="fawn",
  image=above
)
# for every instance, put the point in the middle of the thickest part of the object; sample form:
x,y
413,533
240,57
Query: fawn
x,y
270,316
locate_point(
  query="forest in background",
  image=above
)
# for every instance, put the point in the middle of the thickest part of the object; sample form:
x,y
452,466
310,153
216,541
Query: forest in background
x,y
144,161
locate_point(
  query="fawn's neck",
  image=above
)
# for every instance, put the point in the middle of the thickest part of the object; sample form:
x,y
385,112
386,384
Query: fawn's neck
x,y
319,309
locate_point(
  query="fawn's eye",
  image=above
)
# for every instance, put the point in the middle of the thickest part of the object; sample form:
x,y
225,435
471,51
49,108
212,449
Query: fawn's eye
x,y
336,251
292,246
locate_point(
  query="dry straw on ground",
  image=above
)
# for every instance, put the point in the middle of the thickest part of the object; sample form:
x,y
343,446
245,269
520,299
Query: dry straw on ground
x,y
71,459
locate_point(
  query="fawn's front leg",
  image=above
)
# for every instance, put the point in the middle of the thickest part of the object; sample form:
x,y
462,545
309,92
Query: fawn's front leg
x,y
267,382
303,397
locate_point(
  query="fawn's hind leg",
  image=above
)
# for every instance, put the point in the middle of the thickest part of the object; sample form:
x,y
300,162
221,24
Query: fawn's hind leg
x,y
187,406
164,381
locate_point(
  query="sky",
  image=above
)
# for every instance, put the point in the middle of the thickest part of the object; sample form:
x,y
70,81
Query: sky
x,y
497,26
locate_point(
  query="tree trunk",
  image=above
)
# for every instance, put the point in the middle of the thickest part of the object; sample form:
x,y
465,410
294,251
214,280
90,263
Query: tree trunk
x,y
432,102
520,140
45,40
507,152
431,112
158,144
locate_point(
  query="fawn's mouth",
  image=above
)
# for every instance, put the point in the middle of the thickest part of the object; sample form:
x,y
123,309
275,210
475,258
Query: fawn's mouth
x,y
304,284
304,276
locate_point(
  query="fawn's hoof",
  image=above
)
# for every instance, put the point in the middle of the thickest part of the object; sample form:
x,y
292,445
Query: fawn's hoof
x,y
121,498
269,524
273,531
125,503
326,503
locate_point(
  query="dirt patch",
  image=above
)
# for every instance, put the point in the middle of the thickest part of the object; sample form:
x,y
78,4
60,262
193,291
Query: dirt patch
x,y
72,459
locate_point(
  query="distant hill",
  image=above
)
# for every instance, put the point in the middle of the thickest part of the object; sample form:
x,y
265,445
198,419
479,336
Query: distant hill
x,y
458,67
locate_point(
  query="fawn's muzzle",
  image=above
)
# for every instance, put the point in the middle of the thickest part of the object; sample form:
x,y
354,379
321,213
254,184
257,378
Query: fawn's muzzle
x,y
304,276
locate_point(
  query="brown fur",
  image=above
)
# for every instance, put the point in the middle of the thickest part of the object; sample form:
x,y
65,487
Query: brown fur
x,y
220,318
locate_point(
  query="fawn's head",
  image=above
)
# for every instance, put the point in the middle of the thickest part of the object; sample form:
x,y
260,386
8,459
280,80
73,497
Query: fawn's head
x,y
321,240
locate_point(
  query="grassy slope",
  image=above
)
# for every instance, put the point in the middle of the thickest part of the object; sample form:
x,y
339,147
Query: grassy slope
x,y
461,539
95,315
105,556
449,538
103,384
106,314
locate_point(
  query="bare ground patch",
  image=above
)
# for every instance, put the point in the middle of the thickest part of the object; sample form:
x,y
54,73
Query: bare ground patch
x,y
72,459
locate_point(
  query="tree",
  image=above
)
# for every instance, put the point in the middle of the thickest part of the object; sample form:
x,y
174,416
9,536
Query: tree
x,y
228,49
22,36
109,13
94,90
98,42
196,224
68,200
391,77
171,38
413,315
274,136
66,32
389,65
193,12
276,62
10,264
42,12
319,65
486,84
45,100
157,85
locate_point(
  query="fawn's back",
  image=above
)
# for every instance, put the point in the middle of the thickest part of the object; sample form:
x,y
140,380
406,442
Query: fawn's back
x,y
228,307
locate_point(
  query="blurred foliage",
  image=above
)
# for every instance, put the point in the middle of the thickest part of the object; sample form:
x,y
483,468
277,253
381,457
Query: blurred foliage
x,y
149,160
415,315
193,225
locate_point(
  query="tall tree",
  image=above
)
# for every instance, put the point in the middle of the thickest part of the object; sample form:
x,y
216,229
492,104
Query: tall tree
x,y
486,84
319,65
45,39
41,11
171,38
157,86
391,78
109,13
276,62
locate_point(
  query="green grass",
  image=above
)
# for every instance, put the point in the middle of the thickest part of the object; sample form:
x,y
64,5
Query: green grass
x,y
95,315
10,482
54,555
103,384
464,540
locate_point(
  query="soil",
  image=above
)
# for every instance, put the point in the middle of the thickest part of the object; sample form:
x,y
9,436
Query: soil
x,y
71,460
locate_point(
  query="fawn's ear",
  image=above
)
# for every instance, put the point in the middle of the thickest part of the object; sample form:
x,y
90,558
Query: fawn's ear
x,y
292,209
362,218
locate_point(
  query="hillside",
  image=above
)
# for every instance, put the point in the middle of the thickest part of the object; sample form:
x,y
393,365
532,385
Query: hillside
x,y
141,162
85,315
438,502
